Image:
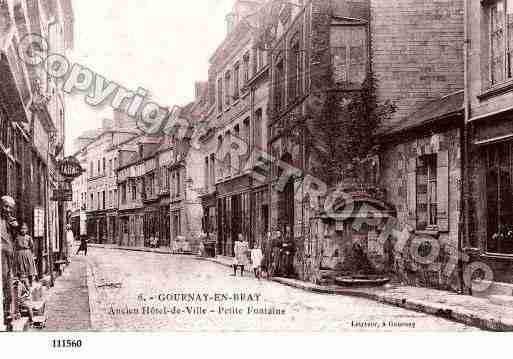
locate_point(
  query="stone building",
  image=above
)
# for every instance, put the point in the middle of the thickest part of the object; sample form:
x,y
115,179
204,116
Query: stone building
x,y
133,189
234,200
489,187
32,121
96,192
403,59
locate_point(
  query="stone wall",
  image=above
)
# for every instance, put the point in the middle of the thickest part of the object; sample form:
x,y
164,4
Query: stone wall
x,y
399,192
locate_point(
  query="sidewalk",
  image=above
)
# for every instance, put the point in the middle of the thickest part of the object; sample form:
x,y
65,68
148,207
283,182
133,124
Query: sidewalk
x,y
469,310
67,306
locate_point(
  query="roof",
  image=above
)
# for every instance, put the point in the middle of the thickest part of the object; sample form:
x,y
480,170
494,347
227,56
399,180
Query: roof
x,y
429,113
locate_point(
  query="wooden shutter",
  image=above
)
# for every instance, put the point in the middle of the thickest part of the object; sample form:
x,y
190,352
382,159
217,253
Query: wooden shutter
x,y
411,190
443,190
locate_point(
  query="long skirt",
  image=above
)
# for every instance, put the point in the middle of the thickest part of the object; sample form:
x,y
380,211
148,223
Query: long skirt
x,y
25,265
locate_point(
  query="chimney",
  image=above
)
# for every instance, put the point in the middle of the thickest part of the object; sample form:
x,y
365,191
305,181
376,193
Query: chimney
x,y
230,22
199,89
107,123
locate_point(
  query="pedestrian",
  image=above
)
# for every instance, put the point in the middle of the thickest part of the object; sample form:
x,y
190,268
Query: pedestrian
x,y
256,259
24,256
236,249
70,241
243,255
7,223
83,245
275,254
287,253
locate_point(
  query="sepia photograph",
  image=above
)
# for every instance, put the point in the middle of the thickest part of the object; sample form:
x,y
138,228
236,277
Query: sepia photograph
x,y
255,166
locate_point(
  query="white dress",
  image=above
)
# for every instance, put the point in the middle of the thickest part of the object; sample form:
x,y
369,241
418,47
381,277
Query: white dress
x,y
256,258
70,241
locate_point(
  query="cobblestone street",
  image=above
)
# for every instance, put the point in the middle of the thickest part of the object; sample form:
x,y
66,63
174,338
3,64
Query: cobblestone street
x,y
124,286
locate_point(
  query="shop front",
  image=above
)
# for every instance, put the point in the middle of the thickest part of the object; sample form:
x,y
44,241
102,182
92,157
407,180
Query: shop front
x,y
490,225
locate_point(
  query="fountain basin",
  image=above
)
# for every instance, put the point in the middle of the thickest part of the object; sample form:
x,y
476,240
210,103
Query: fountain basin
x,y
362,280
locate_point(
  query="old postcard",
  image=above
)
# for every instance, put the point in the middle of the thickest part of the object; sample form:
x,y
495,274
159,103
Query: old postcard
x,y
256,166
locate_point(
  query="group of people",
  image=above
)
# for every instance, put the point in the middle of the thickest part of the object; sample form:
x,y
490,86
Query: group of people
x,y
274,258
243,255
18,265
19,270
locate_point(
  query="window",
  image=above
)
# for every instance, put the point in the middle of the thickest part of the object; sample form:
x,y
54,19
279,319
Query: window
x,y
111,171
212,169
104,166
103,200
279,86
123,193
349,54
220,95
134,192
500,40
245,131
258,129
91,170
206,171
426,191
227,95
295,68
246,67
99,168
178,184
499,198
236,71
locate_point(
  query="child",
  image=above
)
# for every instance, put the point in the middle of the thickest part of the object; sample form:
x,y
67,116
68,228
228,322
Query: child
x,y
24,258
256,259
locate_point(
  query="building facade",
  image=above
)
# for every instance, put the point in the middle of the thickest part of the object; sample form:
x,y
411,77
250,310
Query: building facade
x,y
33,116
238,95
394,72
95,193
489,78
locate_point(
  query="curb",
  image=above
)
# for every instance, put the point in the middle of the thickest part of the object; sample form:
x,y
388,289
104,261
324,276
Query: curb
x,y
447,312
455,314
137,249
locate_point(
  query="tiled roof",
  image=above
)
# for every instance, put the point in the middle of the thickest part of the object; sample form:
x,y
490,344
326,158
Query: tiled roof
x,y
431,112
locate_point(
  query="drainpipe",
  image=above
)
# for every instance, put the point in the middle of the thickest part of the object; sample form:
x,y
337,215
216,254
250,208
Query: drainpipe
x,y
463,232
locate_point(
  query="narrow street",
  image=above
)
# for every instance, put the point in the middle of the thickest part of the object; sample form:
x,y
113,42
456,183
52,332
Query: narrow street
x,y
124,290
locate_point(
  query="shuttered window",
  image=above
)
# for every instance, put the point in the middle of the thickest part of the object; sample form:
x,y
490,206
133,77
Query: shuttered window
x,y
427,184
426,191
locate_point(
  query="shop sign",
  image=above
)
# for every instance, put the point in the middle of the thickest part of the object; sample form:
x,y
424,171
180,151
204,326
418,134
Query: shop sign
x,y
70,168
39,222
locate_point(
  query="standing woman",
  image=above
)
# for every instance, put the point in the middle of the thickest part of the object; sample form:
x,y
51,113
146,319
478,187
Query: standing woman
x,y
70,240
24,256
243,254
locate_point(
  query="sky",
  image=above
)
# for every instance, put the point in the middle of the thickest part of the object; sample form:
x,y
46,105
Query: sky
x,y
162,46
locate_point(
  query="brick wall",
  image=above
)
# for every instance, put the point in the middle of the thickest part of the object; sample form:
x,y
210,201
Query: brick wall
x,y
417,50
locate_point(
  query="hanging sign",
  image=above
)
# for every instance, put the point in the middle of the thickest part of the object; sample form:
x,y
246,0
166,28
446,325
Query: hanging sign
x,y
39,221
70,168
